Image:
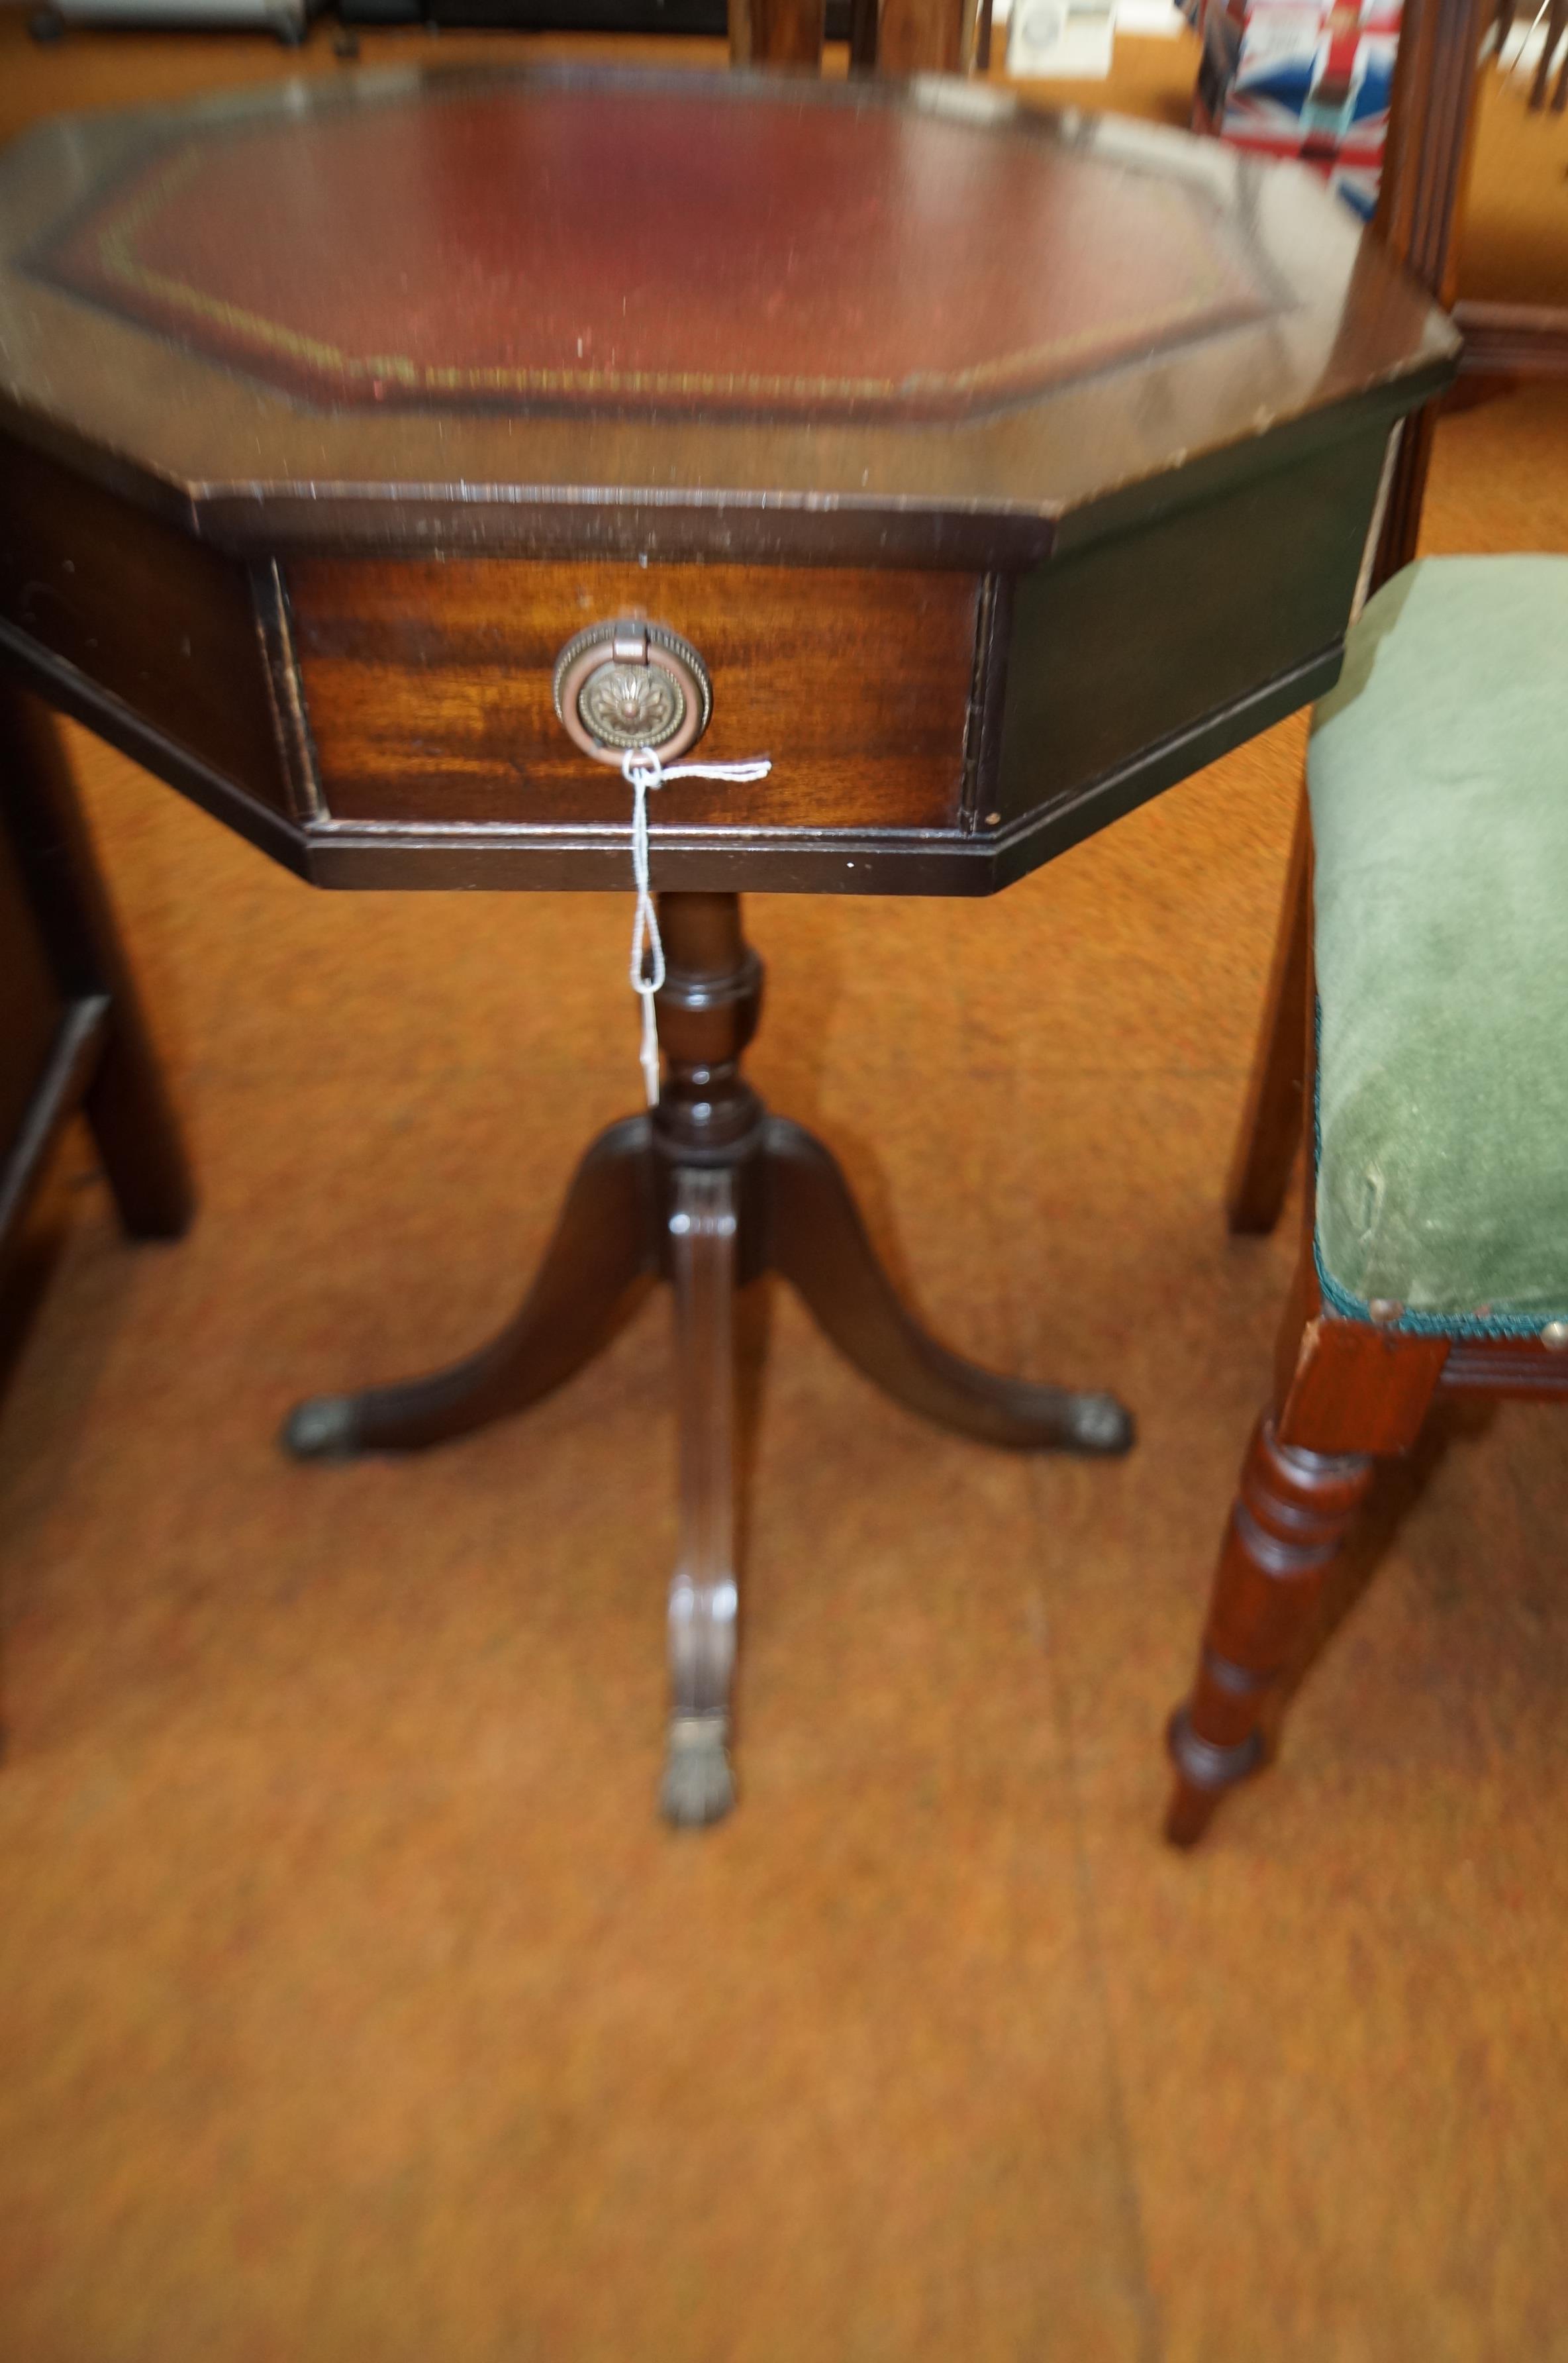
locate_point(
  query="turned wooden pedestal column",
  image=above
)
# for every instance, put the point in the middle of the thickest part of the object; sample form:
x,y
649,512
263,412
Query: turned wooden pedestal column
x,y
708,1192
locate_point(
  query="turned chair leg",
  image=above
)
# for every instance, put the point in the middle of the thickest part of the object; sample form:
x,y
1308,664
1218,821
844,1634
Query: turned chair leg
x,y
1291,1514
1346,1394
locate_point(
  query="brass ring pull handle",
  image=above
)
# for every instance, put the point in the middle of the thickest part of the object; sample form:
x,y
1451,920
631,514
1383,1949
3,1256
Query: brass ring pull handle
x,y
631,683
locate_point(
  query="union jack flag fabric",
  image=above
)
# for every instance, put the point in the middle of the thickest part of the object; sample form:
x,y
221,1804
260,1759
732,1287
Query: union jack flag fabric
x,y
1304,78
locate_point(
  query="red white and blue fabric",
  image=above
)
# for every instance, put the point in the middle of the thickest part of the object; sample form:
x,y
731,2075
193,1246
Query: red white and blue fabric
x,y
1309,80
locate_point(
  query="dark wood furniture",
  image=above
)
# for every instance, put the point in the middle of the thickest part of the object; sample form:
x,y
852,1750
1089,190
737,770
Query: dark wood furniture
x,y
900,36
780,32
1432,120
1556,15
1556,32
982,539
72,1033
1504,342
1344,1392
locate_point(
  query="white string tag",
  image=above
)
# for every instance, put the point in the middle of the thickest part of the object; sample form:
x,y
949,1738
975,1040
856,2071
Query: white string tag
x,y
641,768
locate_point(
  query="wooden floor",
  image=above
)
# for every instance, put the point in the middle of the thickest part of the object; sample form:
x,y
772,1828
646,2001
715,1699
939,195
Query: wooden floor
x,y
355,2007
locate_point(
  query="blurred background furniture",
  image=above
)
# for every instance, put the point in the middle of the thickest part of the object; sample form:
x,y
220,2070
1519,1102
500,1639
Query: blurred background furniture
x,y
1550,20
289,19
897,35
1517,327
905,36
1555,13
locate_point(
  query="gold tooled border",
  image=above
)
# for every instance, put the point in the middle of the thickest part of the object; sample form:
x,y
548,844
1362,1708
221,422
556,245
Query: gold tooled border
x,y
116,259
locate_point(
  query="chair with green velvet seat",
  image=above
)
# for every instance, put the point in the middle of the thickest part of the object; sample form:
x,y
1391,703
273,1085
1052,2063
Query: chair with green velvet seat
x,y
1435,1254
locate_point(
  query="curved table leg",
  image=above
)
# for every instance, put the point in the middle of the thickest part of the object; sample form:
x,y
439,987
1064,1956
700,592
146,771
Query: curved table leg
x,y
698,1785
604,1244
819,1244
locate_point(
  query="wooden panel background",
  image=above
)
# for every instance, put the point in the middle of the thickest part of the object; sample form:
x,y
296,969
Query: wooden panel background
x,y
428,687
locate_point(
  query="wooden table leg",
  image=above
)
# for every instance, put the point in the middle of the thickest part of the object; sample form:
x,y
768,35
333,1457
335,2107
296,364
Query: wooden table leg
x,y
708,1191
795,1215
126,1100
698,1784
585,1290
818,1243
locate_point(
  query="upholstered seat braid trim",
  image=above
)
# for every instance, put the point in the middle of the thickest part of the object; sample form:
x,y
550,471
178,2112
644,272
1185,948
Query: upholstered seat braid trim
x,y
1439,779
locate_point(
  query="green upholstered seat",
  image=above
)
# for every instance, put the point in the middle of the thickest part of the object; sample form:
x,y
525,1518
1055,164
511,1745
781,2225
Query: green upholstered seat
x,y
1439,779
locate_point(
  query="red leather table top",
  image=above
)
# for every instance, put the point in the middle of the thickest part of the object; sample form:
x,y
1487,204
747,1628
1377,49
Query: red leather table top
x,y
657,314
519,245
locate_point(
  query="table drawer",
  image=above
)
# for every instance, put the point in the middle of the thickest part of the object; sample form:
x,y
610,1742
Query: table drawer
x,y
427,689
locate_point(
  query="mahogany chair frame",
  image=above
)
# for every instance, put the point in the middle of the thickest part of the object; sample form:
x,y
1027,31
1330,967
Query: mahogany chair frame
x,y
1431,121
1345,1392
1425,170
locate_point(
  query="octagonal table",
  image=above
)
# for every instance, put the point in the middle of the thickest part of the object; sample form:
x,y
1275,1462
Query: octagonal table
x,y
417,472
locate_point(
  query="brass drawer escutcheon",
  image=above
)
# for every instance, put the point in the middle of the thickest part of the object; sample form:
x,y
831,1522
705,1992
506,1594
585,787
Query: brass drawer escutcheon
x,y
631,683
